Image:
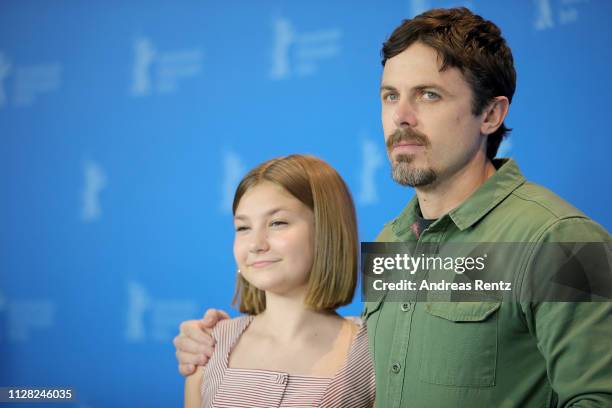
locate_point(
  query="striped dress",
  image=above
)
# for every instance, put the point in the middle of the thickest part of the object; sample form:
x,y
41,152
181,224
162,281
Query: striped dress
x,y
352,387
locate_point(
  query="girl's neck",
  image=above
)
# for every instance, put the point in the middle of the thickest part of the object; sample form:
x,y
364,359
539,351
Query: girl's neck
x,y
288,319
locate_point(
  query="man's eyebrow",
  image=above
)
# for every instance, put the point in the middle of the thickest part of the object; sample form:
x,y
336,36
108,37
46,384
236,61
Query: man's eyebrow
x,y
437,87
419,87
430,85
268,213
384,87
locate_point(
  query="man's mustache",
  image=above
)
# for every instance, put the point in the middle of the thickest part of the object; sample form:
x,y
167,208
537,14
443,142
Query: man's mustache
x,y
407,135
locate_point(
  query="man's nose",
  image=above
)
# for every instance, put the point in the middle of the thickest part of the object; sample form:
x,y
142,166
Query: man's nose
x,y
404,114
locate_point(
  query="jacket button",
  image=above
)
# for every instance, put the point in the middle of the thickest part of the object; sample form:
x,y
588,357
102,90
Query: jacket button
x,y
406,307
396,367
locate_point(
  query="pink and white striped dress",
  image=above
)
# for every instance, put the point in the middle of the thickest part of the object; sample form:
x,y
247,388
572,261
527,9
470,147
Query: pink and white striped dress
x,y
352,387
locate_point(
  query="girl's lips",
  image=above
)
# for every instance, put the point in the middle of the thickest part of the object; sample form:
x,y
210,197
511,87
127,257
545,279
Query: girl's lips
x,y
261,264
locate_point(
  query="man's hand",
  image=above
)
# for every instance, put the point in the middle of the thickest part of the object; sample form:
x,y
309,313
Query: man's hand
x,y
194,344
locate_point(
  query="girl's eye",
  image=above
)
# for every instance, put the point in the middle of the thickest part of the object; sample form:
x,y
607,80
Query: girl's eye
x,y
277,223
241,228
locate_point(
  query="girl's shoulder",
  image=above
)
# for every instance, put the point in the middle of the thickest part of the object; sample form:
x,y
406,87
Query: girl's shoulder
x,y
229,329
359,349
357,323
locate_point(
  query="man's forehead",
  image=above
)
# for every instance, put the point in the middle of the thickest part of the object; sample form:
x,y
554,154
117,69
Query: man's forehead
x,y
415,65
417,57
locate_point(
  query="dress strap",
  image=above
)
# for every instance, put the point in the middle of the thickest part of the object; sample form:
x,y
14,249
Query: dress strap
x,y
354,385
226,334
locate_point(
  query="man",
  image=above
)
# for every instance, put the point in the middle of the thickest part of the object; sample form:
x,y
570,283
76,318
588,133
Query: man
x,y
447,83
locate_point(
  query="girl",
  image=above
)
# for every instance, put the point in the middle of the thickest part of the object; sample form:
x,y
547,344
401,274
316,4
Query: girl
x,y
296,250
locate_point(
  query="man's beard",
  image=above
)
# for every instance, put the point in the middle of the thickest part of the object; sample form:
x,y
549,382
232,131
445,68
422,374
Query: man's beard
x,y
404,174
402,170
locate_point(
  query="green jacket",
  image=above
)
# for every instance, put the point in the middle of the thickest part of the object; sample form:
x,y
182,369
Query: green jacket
x,y
488,354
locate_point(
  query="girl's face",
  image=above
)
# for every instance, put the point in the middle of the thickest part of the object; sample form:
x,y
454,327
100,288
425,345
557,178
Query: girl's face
x,y
274,241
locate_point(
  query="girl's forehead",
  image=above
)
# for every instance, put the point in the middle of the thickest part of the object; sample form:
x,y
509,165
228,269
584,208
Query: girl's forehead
x,y
266,198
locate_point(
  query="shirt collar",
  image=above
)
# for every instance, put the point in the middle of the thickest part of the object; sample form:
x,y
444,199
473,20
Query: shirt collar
x,y
492,192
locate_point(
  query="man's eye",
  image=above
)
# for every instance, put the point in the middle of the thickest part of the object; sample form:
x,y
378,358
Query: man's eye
x,y
430,96
391,97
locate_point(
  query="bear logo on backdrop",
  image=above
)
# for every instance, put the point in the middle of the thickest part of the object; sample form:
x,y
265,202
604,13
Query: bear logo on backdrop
x,y
565,10
372,159
95,182
26,82
300,54
5,69
233,170
26,319
148,318
161,72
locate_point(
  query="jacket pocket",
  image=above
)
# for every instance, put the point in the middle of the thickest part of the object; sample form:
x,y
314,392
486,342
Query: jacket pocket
x,y
459,343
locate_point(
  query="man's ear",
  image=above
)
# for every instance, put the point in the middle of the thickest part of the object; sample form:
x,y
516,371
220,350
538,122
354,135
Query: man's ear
x,y
494,115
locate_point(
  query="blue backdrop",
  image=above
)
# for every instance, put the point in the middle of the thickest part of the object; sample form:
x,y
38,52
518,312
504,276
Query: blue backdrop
x,y
125,126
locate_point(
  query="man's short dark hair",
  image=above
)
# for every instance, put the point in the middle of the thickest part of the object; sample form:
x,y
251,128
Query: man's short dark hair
x,y
470,43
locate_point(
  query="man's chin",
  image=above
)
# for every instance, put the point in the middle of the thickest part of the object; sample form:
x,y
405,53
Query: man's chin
x,y
407,174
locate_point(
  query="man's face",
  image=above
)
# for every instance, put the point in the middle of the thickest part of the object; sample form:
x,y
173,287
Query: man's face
x,y
430,131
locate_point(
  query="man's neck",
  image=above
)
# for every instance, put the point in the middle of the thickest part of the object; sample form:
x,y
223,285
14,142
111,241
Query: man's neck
x,y
444,195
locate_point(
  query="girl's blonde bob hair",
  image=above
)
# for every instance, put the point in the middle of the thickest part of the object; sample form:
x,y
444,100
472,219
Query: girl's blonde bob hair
x,y
317,185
